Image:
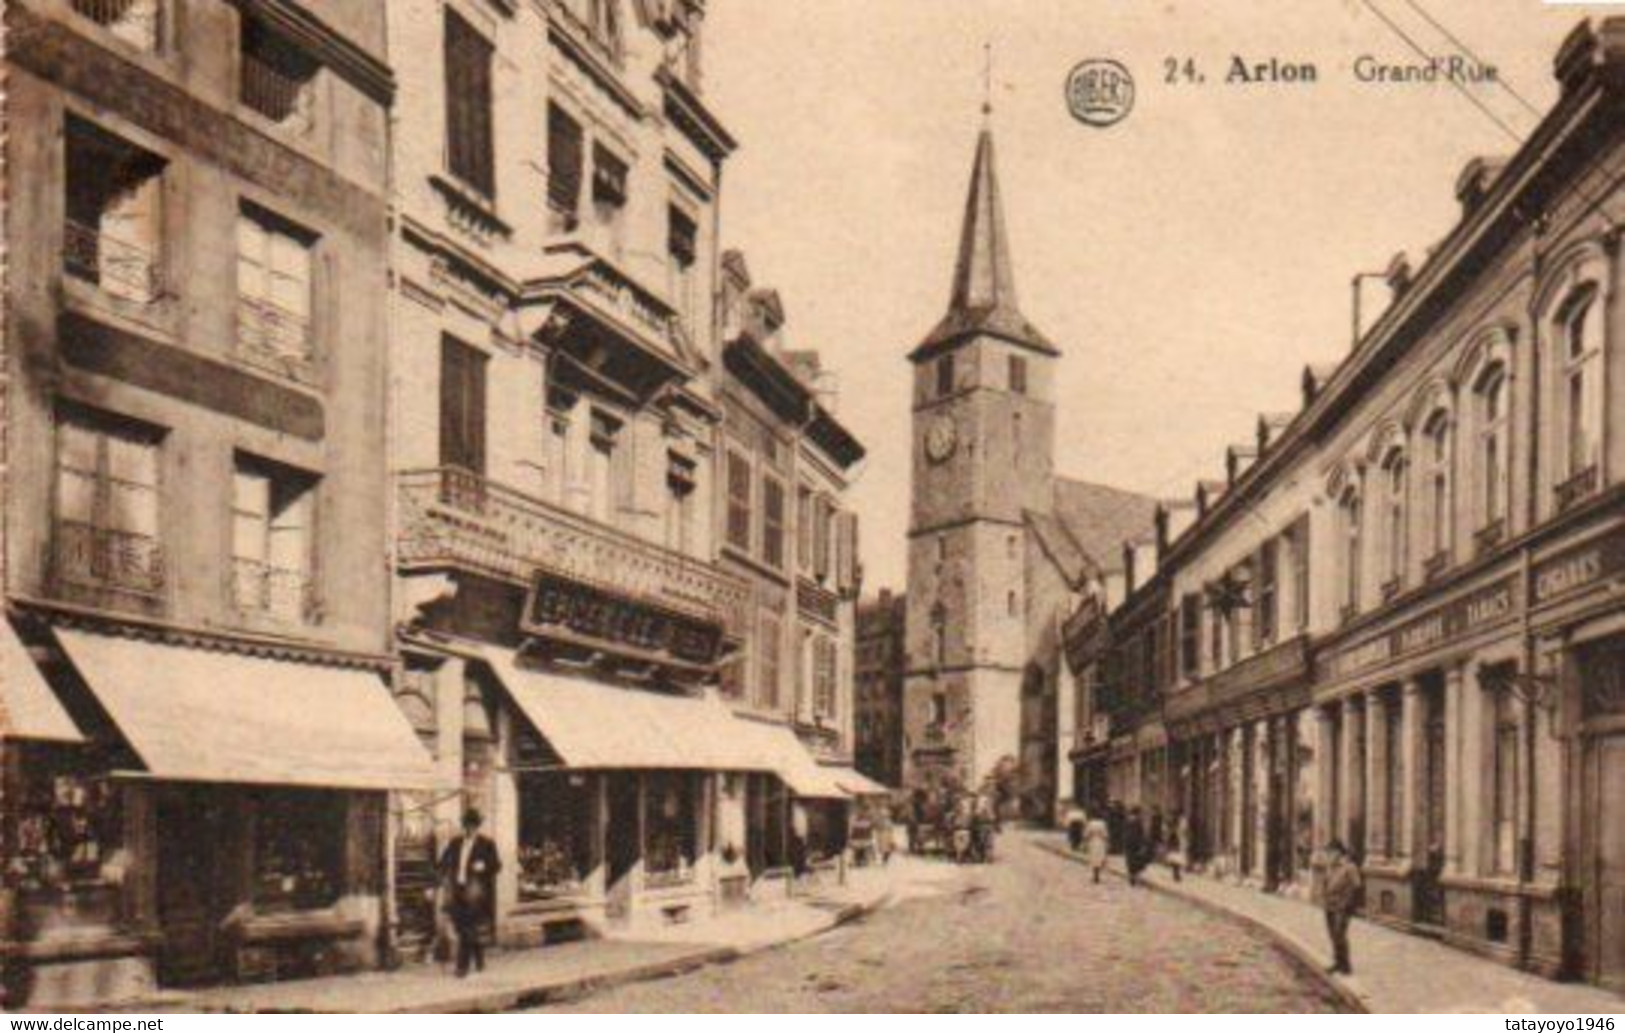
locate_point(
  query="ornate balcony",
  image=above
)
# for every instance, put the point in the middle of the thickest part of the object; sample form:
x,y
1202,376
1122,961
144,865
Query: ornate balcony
x,y
101,557
134,21
274,338
120,268
286,595
453,518
1578,487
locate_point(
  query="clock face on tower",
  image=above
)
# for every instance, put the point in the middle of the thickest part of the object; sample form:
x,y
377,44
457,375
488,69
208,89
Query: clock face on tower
x,y
940,439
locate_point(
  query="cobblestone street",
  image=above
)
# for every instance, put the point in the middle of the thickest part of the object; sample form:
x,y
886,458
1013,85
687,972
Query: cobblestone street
x,y
1030,933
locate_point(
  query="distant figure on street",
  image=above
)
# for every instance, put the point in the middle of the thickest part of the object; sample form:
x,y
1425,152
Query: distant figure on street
x,y
1340,897
1178,836
1114,825
468,870
1075,821
1097,841
1136,845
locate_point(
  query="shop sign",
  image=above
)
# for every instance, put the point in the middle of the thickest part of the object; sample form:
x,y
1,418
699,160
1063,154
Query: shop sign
x,y
592,613
1579,568
1435,628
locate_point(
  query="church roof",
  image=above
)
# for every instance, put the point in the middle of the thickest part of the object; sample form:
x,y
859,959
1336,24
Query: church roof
x,y
984,290
1085,532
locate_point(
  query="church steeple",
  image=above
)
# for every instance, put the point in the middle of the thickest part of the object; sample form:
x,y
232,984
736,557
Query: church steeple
x,y
984,288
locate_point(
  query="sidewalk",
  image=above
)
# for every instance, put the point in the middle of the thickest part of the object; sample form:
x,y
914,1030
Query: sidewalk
x,y
527,978
1395,972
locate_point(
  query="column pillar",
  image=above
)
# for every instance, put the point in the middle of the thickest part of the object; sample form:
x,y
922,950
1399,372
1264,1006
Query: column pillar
x,y
1235,813
1452,769
1324,821
1352,816
1475,786
1377,775
1409,772
1263,768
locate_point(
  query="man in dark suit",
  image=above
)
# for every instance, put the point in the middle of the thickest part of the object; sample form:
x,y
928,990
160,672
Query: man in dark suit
x,y
468,871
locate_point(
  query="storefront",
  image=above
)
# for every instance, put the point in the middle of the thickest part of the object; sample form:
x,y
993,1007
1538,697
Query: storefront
x,y
223,820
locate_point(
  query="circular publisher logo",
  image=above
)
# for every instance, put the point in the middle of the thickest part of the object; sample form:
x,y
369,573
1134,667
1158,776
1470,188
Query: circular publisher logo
x,y
1100,92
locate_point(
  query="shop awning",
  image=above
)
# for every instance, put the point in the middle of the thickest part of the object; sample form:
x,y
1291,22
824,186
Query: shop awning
x,y
859,784
594,725
786,756
29,708
198,715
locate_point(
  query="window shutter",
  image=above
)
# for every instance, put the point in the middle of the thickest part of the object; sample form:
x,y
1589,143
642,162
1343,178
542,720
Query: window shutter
x,y
683,235
565,155
821,533
846,551
468,105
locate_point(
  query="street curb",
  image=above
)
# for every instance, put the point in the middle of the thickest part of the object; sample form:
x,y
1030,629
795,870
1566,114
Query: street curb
x,y
564,991
1301,954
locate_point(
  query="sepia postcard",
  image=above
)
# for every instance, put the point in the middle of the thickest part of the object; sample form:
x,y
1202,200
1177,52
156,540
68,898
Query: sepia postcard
x,y
866,506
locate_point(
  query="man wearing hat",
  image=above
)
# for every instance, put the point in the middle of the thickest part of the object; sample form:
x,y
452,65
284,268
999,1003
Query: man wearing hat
x,y
468,871
1341,898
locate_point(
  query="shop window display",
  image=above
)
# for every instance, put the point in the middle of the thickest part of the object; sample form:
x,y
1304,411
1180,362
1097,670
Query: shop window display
x,y
555,833
669,827
299,849
65,840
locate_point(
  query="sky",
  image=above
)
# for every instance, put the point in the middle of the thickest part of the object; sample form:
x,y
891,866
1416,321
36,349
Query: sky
x,y
1189,261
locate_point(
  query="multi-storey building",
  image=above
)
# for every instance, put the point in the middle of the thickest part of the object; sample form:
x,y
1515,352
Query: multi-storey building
x,y
1397,621
878,688
786,531
198,734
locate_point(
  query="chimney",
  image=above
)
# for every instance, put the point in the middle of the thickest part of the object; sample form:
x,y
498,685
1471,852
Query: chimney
x,y
1398,275
1128,566
1160,519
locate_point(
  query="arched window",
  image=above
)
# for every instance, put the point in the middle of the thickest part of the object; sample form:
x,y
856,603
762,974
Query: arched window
x,y
1579,343
1353,549
1436,503
1395,469
1491,468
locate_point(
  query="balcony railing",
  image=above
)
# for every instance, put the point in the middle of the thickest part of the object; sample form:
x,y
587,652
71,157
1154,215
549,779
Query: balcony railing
x,y
101,557
1576,488
276,83
134,21
118,267
286,595
456,518
274,338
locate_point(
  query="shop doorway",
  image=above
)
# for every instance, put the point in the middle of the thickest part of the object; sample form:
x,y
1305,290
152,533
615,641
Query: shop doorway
x,y
623,843
1605,770
1429,895
191,841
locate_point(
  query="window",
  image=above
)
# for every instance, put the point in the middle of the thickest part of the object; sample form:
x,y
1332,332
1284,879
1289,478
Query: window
x,y
556,821
609,173
606,492
565,159
298,849
682,247
1299,537
1353,550
1581,335
1395,470
772,653
1393,777
271,518
1438,514
945,376
773,513
669,826
739,500
64,827
1268,594
679,503
1190,635
106,530
462,406
825,676
134,21
274,295
1018,375
470,144
276,78
1492,447
804,528
113,233
1505,803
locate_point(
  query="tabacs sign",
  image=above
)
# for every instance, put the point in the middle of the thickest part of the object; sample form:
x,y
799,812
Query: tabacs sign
x,y
1437,627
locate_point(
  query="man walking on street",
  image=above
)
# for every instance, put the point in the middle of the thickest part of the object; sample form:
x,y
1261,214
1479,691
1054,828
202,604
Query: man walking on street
x,y
468,871
1341,896
1136,849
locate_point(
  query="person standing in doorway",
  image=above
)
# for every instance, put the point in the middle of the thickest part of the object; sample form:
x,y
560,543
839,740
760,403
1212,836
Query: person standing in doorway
x,y
468,870
1340,897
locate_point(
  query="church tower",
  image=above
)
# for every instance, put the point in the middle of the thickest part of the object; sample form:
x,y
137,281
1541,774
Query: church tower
x,y
983,441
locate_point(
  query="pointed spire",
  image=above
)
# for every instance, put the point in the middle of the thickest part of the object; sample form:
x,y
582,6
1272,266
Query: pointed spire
x,y
984,287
